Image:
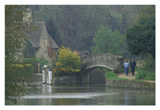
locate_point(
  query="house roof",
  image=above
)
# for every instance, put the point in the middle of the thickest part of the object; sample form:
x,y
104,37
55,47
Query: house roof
x,y
35,35
84,53
53,43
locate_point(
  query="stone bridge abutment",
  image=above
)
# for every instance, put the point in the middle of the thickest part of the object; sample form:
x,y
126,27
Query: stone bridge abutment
x,y
112,62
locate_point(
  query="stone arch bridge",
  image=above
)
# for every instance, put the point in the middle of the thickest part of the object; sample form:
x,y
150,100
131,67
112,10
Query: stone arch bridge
x,y
112,62
88,63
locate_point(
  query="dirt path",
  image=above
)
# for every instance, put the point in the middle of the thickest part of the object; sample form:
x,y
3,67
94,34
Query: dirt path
x,y
130,77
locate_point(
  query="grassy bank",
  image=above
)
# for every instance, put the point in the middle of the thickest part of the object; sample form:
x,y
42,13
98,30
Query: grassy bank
x,y
112,75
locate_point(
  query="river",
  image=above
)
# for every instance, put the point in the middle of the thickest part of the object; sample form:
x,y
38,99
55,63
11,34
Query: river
x,y
86,95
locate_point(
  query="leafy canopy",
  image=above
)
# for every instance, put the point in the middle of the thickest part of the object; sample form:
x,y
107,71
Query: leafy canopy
x,y
15,31
107,41
141,36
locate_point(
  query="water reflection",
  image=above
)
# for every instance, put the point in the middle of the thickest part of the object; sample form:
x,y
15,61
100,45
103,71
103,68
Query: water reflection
x,y
67,96
46,89
87,95
126,97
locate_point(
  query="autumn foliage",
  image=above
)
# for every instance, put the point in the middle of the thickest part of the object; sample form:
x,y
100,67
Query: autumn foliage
x,y
69,62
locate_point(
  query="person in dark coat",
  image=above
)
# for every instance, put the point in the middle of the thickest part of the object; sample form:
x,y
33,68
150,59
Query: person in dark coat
x,y
133,65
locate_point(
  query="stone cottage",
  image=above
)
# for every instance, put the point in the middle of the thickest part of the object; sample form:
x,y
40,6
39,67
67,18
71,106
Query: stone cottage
x,y
44,46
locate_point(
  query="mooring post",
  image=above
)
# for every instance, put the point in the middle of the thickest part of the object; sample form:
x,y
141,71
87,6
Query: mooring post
x,y
44,75
50,76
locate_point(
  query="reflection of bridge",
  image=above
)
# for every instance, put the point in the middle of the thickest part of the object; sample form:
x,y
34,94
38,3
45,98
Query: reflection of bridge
x,y
109,61
89,62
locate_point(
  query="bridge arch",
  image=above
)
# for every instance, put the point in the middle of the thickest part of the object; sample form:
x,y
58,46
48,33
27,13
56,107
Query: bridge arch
x,y
106,60
88,63
95,66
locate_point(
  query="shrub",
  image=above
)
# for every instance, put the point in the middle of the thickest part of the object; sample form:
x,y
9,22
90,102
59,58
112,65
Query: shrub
x,y
147,71
16,75
69,62
150,76
34,62
149,63
144,74
23,72
111,75
141,74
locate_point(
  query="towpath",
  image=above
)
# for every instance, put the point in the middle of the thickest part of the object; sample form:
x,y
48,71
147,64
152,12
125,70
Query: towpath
x,y
131,77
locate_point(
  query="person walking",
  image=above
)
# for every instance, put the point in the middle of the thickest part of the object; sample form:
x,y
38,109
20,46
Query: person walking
x,y
133,65
126,67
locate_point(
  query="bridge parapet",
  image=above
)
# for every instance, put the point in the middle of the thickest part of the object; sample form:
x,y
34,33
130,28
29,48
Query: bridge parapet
x,y
107,60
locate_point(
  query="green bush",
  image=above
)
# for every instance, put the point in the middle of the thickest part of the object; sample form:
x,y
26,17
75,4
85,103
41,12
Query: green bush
x,y
144,74
23,72
68,63
16,75
141,74
149,63
150,76
148,69
34,62
111,75
29,69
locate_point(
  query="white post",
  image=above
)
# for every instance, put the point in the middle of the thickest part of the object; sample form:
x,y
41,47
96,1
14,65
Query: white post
x,y
43,77
49,77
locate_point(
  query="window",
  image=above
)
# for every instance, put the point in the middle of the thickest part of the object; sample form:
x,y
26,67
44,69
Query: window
x,y
45,43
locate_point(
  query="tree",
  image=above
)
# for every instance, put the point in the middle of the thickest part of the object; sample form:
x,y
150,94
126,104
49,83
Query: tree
x,y
28,51
68,62
46,13
53,31
141,36
15,71
107,41
78,25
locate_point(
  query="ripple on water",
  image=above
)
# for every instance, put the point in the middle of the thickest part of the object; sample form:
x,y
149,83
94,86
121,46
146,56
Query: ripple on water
x,y
66,96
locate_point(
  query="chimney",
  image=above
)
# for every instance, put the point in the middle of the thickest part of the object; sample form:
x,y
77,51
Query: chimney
x,y
27,16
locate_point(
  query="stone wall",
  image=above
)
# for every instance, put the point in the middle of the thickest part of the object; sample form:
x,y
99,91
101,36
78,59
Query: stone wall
x,y
65,80
130,84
